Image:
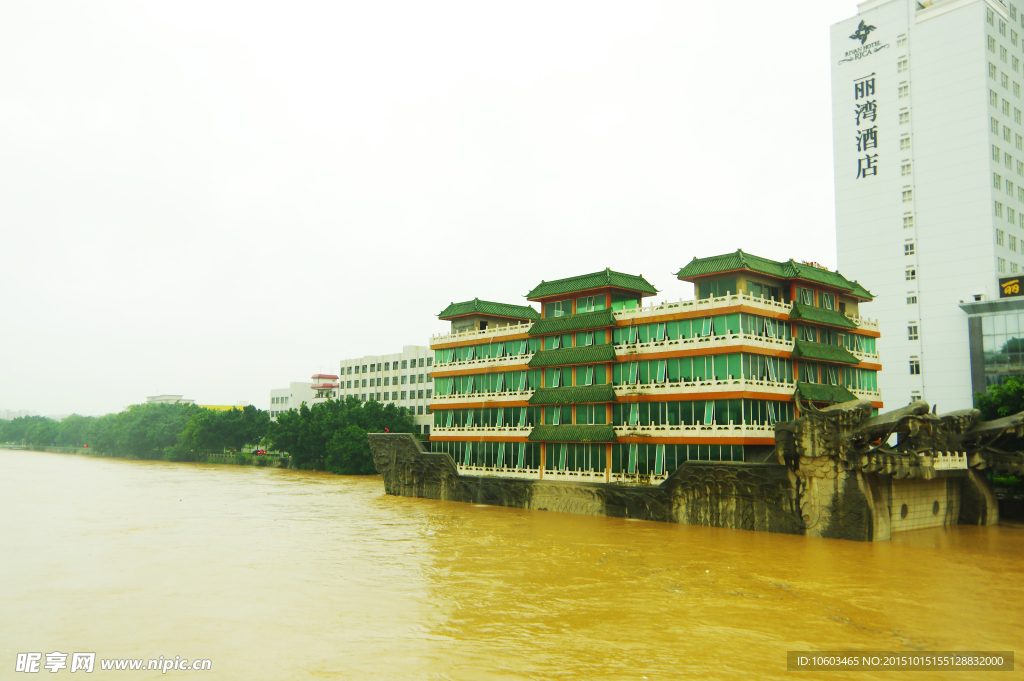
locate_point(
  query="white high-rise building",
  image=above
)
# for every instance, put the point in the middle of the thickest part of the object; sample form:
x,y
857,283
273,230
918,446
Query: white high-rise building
x,y
401,377
929,173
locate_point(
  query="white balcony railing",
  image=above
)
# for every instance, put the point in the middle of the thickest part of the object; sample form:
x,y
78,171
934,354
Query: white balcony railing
x,y
707,304
485,431
511,361
875,395
576,476
704,342
706,386
508,396
710,305
872,357
476,334
713,430
493,472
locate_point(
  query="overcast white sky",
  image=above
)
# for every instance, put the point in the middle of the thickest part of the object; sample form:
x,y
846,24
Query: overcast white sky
x,y
218,198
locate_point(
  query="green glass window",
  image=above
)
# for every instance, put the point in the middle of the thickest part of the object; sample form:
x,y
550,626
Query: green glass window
x,y
560,308
624,301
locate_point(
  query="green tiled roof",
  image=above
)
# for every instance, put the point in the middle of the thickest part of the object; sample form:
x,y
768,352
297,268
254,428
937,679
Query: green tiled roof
x,y
824,352
585,282
485,307
589,354
728,262
574,322
571,433
820,315
574,394
815,392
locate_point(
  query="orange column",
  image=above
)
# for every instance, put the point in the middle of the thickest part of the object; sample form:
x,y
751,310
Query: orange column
x,y
543,458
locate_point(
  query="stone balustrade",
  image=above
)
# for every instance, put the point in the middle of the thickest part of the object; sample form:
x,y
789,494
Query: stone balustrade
x,y
487,431
697,430
491,332
452,401
495,472
511,361
710,386
737,340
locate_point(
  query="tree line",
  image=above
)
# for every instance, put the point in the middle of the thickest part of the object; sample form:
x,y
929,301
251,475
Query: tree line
x,y
328,436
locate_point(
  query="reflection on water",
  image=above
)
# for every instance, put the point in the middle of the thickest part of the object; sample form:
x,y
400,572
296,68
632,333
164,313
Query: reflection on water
x,y
291,575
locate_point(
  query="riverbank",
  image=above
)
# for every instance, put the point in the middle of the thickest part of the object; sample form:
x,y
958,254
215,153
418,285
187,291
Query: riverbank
x,y
270,460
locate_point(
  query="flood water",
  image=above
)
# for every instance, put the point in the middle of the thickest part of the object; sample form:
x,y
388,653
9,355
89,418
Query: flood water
x,y
276,574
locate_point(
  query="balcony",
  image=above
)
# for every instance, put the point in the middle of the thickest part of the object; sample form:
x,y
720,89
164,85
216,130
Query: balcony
x,y
873,395
450,401
708,387
737,340
714,430
483,431
510,361
712,306
480,335
708,306
872,357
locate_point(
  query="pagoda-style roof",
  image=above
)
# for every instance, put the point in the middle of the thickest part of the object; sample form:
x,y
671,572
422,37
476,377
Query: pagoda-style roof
x,y
573,433
824,352
820,315
587,354
576,322
588,282
486,307
817,392
731,262
574,394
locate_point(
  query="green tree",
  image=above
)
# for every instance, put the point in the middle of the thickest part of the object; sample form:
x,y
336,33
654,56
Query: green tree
x,y
74,431
332,435
1001,400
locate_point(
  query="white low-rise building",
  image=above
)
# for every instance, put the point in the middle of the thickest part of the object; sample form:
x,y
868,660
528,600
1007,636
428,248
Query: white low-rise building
x,y
292,397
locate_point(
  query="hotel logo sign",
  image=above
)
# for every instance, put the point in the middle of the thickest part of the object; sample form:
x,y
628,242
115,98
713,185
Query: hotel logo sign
x,y
866,48
1009,287
862,33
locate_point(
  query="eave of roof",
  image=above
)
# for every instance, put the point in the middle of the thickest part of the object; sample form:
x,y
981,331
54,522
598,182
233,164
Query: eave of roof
x,y
594,280
576,394
823,352
820,315
489,308
731,262
587,354
575,322
573,433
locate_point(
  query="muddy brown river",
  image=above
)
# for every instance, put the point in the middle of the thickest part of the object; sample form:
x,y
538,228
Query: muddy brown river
x,y
277,574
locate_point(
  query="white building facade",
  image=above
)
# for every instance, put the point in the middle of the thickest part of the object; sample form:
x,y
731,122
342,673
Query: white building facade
x,y
292,397
929,174
401,377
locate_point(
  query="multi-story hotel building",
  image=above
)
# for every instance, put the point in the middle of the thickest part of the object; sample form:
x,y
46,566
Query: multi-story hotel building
x,y
401,377
600,387
929,176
